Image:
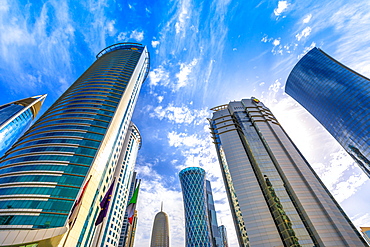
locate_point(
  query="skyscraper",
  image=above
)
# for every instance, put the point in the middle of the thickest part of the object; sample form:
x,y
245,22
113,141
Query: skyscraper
x,y
276,198
223,233
160,231
127,229
197,226
16,117
70,155
338,97
215,234
126,184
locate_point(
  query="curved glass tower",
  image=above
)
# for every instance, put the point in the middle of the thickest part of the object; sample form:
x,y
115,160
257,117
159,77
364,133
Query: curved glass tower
x,y
338,97
77,141
16,117
160,232
197,226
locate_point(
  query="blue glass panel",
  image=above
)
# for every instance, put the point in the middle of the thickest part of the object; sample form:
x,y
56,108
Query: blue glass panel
x,y
338,97
7,111
13,130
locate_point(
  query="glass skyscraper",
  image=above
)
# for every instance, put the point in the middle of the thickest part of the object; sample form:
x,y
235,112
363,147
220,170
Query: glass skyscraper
x,y
212,217
338,97
71,154
197,226
276,198
160,231
16,117
223,234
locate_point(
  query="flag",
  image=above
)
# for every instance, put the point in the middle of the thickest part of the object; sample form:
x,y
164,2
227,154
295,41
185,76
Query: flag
x,y
132,205
76,206
104,204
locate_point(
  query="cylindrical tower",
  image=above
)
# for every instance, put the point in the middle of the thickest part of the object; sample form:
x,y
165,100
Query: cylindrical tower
x,y
160,232
197,227
79,137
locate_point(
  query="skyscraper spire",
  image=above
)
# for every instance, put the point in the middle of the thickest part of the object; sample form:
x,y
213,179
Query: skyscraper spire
x,y
162,206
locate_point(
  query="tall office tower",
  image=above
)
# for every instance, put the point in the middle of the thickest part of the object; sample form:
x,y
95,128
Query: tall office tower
x,y
55,176
276,198
125,187
215,234
338,97
160,231
223,233
127,229
16,117
197,226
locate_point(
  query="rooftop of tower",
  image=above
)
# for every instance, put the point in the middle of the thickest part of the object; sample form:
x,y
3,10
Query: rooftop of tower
x,y
121,46
128,46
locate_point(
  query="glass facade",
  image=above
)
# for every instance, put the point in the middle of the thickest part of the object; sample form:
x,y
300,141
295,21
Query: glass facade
x,y
81,135
223,234
15,118
275,197
197,226
215,234
338,97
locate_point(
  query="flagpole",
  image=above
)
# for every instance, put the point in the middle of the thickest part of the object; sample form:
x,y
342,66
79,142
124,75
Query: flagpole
x,y
104,208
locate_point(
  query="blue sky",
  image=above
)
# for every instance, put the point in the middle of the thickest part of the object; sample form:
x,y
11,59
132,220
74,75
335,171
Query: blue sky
x,y
203,54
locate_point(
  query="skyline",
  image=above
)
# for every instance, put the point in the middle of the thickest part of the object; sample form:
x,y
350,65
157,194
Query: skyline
x,y
239,49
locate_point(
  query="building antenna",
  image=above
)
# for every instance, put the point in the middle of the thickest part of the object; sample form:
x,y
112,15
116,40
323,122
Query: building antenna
x,y
162,206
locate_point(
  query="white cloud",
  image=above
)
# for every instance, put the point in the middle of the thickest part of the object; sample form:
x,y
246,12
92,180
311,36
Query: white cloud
x,y
31,51
305,32
180,115
183,139
361,220
262,83
338,175
122,36
276,86
276,42
110,27
135,34
182,17
159,75
307,18
185,70
160,99
278,48
155,43
282,6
